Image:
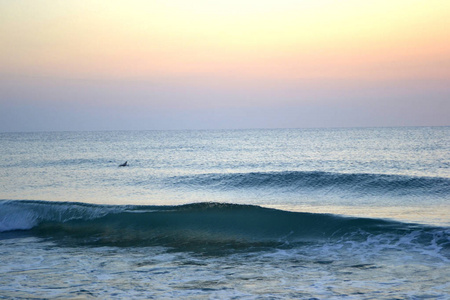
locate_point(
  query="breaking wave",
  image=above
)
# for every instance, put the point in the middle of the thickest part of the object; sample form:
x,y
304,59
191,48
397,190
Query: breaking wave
x,y
204,226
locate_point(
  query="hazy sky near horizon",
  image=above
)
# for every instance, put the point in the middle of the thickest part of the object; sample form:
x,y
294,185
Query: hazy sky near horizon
x,y
200,64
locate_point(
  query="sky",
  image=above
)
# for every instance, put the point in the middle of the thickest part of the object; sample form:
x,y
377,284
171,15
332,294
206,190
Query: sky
x,y
213,64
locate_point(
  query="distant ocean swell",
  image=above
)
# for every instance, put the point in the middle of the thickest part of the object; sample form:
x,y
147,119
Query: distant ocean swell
x,y
372,184
206,227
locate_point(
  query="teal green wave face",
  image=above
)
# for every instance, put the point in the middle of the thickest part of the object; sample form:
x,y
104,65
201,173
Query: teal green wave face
x,y
203,227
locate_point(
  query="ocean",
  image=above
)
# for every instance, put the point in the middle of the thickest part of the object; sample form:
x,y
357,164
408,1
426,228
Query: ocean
x,y
351,213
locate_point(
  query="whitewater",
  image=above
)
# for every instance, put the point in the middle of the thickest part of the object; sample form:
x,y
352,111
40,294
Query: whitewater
x,y
356,213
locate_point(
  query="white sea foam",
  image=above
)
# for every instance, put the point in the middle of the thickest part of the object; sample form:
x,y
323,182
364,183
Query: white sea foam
x,y
23,215
328,270
16,218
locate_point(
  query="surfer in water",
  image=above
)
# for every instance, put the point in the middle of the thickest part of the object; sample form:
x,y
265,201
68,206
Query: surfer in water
x,y
124,164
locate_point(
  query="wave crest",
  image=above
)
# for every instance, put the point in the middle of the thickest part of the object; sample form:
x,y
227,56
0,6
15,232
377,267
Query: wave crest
x,y
201,226
374,184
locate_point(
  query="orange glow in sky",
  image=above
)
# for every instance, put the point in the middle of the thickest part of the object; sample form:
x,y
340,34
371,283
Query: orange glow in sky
x,y
249,39
383,61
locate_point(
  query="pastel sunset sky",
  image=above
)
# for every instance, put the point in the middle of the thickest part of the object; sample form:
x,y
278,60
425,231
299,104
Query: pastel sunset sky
x,y
203,64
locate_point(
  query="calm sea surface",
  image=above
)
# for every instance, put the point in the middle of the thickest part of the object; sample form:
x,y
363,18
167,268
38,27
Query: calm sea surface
x,y
289,213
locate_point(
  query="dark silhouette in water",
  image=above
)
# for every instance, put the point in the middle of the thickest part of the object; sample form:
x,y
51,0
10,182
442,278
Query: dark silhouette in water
x,y
124,164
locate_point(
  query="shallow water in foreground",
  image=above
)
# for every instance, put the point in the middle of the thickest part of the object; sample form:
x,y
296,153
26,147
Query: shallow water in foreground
x,y
381,267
